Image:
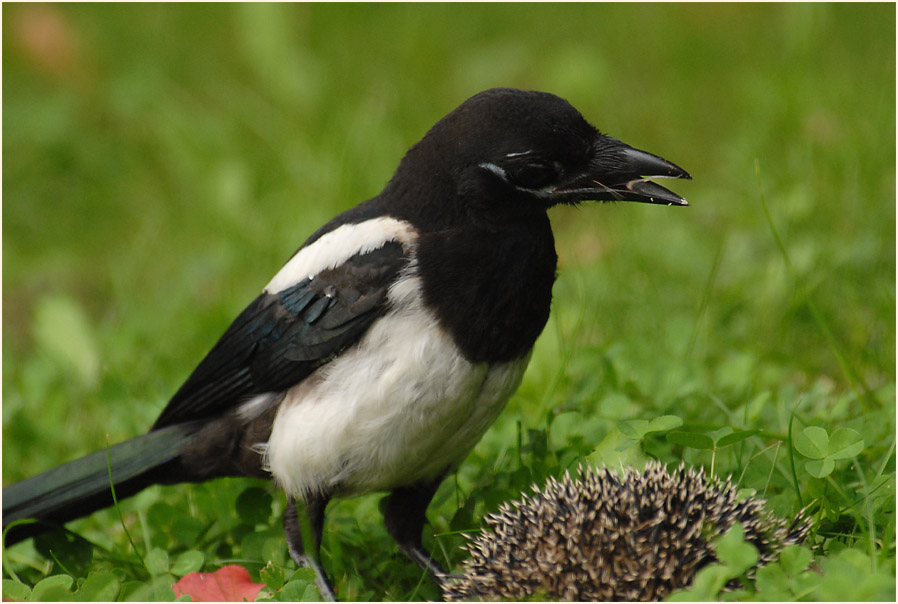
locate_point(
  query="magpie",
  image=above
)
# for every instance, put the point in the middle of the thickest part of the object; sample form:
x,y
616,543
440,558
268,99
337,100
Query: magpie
x,y
377,357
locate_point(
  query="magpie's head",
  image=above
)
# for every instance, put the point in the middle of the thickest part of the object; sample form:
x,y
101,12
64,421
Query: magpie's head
x,y
527,150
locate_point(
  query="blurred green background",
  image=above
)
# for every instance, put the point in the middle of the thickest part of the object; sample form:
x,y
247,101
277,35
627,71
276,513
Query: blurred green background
x,y
160,163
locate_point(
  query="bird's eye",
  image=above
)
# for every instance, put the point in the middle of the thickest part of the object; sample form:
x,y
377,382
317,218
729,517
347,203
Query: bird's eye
x,y
533,174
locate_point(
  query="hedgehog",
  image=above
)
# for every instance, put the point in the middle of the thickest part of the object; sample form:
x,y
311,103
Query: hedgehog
x,y
605,536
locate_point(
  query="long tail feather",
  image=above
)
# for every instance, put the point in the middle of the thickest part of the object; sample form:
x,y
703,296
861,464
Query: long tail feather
x,y
80,487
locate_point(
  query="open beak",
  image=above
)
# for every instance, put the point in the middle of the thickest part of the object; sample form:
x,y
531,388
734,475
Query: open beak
x,y
618,172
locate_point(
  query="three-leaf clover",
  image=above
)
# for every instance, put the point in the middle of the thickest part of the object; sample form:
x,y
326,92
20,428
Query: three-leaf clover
x,y
712,441
823,450
634,430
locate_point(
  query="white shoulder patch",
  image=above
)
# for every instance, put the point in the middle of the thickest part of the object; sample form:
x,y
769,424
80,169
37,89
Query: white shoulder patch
x,y
338,246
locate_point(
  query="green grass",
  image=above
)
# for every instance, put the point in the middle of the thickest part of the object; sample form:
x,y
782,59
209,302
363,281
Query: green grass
x,y
161,162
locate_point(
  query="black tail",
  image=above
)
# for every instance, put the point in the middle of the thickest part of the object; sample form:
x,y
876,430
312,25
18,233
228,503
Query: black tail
x,y
81,487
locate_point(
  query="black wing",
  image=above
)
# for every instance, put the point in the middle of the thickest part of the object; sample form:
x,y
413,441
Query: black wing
x,y
279,339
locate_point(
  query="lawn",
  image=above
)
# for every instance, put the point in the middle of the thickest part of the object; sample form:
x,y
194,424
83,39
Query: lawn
x,y
161,162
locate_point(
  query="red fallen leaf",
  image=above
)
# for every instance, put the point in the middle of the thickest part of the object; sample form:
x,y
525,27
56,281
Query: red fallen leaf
x,y
227,584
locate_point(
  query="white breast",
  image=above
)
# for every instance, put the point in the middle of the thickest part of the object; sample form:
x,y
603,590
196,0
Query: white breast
x,y
401,406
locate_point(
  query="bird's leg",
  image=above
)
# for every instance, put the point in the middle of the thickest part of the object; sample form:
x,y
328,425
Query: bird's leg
x,y
404,517
303,523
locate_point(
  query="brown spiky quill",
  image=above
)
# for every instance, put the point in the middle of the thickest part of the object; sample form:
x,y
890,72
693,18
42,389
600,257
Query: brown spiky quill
x,y
607,536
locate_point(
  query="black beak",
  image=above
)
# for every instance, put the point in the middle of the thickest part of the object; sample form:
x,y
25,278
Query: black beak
x,y
618,172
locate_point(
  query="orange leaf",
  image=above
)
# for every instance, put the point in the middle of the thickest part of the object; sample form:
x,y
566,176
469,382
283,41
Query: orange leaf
x,y
227,584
